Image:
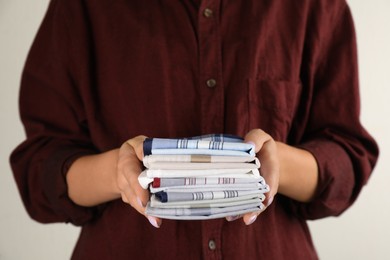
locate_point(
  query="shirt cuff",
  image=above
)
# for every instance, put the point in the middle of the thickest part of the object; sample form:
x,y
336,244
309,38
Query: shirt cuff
x,y
56,190
336,181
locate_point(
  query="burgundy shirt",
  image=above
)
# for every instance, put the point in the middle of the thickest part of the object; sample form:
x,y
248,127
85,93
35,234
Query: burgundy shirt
x,y
101,72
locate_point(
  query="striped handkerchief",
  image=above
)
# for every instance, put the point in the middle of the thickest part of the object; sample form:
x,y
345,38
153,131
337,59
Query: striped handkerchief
x,y
199,188
219,203
147,176
210,145
203,181
202,177
207,203
164,162
149,160
172,196
203,213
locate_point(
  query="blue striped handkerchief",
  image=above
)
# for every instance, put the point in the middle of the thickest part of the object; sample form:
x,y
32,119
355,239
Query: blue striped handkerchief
x,y
205,145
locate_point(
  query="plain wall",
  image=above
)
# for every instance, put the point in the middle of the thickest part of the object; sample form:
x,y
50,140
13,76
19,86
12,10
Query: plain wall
x,y
360,233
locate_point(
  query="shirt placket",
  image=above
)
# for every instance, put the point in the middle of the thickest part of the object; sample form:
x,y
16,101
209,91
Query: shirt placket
x,y
212,239
210,68
212,102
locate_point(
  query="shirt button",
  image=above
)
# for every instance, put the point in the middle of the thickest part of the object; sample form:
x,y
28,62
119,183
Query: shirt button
x,y
208,12
211,83
212,245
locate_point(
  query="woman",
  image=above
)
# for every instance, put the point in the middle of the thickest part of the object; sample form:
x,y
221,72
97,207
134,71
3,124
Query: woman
x,y
101,75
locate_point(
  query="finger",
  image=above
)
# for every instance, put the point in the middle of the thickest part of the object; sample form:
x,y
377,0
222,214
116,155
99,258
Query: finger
x,y
250,218
137,144
266,149
129,168
269,197
156,222
135,147
128,195
232,218
131,175
257,137
270,172
139,204
131,154
124,198
122,185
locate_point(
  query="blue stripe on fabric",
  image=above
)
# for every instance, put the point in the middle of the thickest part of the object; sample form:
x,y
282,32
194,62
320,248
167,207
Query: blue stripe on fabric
x,y
162,196
148,146
216,142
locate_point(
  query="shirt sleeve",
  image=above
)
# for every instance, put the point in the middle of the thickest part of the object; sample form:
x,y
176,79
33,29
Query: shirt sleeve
x,y
52,113
345,152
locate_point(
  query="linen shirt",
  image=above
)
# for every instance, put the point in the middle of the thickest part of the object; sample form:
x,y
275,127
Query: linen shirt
x,y
101,72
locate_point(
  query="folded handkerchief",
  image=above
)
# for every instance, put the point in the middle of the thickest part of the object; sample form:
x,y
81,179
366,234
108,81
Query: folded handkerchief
x,y
149,160
203,181
212,145
155,202
200,188
201,166
147,176
188,162
171,196
202,177
203,213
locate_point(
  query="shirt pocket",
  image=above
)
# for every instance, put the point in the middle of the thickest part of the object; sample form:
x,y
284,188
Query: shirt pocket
x,y
272,105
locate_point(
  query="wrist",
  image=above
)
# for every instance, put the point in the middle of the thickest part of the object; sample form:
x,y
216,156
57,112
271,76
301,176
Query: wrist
x,y
283,175
92,179
298,173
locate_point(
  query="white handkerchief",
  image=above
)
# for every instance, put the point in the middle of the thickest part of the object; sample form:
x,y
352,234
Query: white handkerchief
x,y
213,216
246,186
200,166
147,176
202,152
203,181
203,213
154,202
150,159
173,196
230,173
205,205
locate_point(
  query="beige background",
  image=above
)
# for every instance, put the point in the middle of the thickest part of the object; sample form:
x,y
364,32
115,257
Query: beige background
x,y
361,233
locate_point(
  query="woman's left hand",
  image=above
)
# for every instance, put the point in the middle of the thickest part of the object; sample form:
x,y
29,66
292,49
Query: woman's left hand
x,y
266,150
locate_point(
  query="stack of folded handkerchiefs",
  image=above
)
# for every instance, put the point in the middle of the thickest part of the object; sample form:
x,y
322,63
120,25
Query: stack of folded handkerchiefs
x,y
202,177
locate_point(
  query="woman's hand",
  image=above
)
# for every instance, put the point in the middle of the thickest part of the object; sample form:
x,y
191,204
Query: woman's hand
x,y
129,167
266,149
288,170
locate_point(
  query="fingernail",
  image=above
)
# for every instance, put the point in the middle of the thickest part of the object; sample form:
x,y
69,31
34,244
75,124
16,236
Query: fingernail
x,y
153,221
270,201
232,218
252,219
140,202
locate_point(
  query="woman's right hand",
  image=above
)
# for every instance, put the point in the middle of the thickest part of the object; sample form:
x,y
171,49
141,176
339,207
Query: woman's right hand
x,y
129,167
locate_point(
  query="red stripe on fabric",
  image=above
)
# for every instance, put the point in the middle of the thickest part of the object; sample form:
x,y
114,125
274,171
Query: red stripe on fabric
x,y
156,183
